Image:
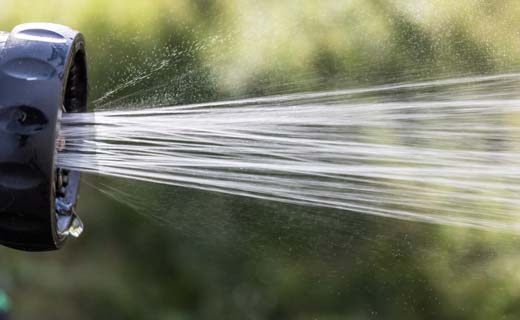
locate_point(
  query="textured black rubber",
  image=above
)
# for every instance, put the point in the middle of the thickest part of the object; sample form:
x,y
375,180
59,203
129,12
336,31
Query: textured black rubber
x,y
43,73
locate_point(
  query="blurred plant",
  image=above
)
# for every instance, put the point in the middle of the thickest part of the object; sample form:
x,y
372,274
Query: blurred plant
x,y
233,258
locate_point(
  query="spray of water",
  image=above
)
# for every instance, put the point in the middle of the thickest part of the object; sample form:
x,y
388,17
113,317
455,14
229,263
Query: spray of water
x,y
444,151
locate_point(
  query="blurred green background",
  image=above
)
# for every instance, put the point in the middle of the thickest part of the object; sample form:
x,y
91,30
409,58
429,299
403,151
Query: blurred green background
x,y
225,257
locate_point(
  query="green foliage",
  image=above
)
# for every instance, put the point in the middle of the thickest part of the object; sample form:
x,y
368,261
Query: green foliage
x,y
5,304
223,257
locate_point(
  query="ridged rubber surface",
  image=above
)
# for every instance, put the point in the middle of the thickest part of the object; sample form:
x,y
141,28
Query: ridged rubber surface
x,y
34,64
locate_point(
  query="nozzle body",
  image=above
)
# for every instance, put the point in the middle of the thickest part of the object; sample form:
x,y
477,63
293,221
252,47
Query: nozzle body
x,y
42,74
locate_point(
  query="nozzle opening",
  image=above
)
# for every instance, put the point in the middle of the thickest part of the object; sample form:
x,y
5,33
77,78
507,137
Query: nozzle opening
x,y
66,181
76,90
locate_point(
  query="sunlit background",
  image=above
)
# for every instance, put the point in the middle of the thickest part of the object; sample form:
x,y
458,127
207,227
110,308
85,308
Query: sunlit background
x,y
227,257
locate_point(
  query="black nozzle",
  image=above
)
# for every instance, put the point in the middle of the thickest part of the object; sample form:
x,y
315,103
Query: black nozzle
x,y
42,74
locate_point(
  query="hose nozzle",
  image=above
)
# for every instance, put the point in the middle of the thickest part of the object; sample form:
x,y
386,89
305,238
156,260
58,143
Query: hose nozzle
x,y
43,73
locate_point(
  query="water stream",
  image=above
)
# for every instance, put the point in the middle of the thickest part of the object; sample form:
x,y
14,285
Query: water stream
x,y
443,151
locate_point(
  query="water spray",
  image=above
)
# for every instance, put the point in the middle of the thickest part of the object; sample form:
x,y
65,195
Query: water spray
x,y
42,75
441,151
